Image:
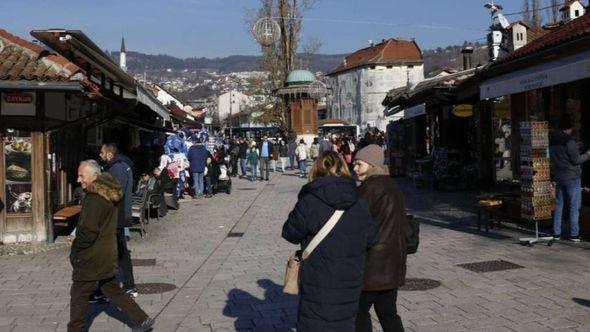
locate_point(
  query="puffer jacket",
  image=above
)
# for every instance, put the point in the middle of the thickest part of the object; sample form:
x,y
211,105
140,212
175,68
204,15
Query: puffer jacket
x,y
332,276
94,251
386,260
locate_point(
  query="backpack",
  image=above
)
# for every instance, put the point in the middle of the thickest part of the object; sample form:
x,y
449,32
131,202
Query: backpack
x,y
412,234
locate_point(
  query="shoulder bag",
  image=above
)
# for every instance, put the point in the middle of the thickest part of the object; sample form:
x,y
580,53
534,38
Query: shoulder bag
x,y
294,264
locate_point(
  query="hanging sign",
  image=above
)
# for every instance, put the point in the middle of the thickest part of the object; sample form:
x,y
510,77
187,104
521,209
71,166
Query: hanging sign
x,y
18,103
463,110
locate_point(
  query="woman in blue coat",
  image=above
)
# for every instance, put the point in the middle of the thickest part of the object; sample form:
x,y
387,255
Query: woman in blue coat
x,y
332,276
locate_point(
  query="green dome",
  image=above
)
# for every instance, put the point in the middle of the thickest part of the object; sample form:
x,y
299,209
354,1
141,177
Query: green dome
x,y
300,76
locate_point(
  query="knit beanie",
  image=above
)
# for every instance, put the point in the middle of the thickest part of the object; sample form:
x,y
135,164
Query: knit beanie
x,y
371,154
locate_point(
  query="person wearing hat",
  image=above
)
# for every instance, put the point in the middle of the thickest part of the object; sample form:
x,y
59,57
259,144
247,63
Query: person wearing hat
x,y
385,268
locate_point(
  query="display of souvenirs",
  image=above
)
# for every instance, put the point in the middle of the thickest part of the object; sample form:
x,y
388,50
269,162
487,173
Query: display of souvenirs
x,y
537,193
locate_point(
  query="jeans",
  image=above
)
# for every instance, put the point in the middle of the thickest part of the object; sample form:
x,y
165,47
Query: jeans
x,y
253,169
81,291
198,183
243,166
385,307
208,186
234,166
180,184
570,191
125,267
303,167
292,161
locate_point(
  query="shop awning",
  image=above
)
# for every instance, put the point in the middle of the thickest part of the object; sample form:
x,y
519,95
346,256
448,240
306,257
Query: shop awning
x,y
564,70
146,98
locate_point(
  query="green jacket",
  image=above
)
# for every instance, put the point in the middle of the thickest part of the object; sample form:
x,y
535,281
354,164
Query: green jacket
x,y
94,251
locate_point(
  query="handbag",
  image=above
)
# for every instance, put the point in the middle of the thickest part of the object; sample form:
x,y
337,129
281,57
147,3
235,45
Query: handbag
x,y
291,285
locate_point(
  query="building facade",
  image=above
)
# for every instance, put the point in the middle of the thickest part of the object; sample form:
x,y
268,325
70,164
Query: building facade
x,y
361,82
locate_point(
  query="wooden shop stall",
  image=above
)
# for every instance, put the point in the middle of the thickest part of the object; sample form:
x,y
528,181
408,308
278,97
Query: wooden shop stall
x,y
53,114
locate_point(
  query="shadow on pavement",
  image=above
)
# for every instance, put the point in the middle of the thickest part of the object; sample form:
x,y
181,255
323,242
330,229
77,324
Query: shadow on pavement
x,y
94,310
276,311
584,302
462,226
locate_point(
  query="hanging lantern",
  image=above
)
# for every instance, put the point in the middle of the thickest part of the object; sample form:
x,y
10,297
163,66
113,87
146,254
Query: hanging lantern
x,y
317,90
266,31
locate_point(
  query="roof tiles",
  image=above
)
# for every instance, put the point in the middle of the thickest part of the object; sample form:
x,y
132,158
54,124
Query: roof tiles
x,y
387,52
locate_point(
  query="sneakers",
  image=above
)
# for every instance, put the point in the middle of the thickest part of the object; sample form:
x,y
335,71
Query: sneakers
x,y
98,298
575,239
557,237
132,292
146,326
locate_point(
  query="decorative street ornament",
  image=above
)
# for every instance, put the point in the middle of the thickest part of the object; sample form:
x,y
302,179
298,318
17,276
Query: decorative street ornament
x,y
266,31
317,90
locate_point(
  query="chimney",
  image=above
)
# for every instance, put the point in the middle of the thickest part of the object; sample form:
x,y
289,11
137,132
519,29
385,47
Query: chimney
x,y
467,57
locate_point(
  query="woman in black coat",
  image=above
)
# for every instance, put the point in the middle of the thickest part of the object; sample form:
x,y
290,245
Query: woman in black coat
x,y
332,276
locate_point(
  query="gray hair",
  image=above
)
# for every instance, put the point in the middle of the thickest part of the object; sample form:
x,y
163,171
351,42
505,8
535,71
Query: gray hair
x,y
92,165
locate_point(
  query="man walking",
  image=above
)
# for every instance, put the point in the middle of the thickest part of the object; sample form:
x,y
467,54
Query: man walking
x,y
94,251
265,154
566,171
325,144
121,168
243,156
197,158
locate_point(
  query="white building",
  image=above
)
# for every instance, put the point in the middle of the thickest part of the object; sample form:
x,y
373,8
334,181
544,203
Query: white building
x,y
361,82
231,102
571,10
167,98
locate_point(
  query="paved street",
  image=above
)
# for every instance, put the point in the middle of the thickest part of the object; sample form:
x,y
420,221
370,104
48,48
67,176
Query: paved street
x,y
228,283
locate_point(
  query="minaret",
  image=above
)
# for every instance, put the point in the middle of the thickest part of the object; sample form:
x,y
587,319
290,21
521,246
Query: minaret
x,y
123,56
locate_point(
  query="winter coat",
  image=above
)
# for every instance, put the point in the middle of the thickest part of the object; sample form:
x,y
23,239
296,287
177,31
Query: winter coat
x,y
566,160
243,150
121,168
301,152
275,152
197,157
253,156
386,260
314,151
292,146
332,276
325,146
94,251
284,151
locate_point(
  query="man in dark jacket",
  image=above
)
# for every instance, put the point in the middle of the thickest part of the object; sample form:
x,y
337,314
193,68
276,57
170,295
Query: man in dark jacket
x,y
121,168
566,171
94,250
197,158
325,144
332,276
385,270
243,155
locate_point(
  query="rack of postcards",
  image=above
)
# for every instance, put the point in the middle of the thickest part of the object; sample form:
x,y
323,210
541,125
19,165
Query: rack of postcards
x,y
536,189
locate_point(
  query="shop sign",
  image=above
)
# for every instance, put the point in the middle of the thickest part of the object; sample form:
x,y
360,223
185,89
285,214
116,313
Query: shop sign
x,y
18,103
18,98
568,69
463,110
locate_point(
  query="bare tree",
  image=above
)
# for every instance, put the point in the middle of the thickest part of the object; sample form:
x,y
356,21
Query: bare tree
x,y
310,49
537,14
553,11
279,60
526,11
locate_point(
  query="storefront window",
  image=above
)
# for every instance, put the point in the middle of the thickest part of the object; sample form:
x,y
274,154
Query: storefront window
x,y
18,171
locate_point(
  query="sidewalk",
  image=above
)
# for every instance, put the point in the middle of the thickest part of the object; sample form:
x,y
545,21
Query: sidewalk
x,y
229,283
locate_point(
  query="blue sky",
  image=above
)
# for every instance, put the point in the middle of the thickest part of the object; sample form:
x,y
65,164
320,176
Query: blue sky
x,y
212,28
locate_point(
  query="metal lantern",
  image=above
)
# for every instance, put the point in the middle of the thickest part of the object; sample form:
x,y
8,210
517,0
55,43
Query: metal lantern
x,y
317,90
266,31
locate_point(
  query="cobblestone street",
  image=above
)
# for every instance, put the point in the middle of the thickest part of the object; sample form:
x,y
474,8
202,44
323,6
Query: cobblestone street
x,y
226,258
